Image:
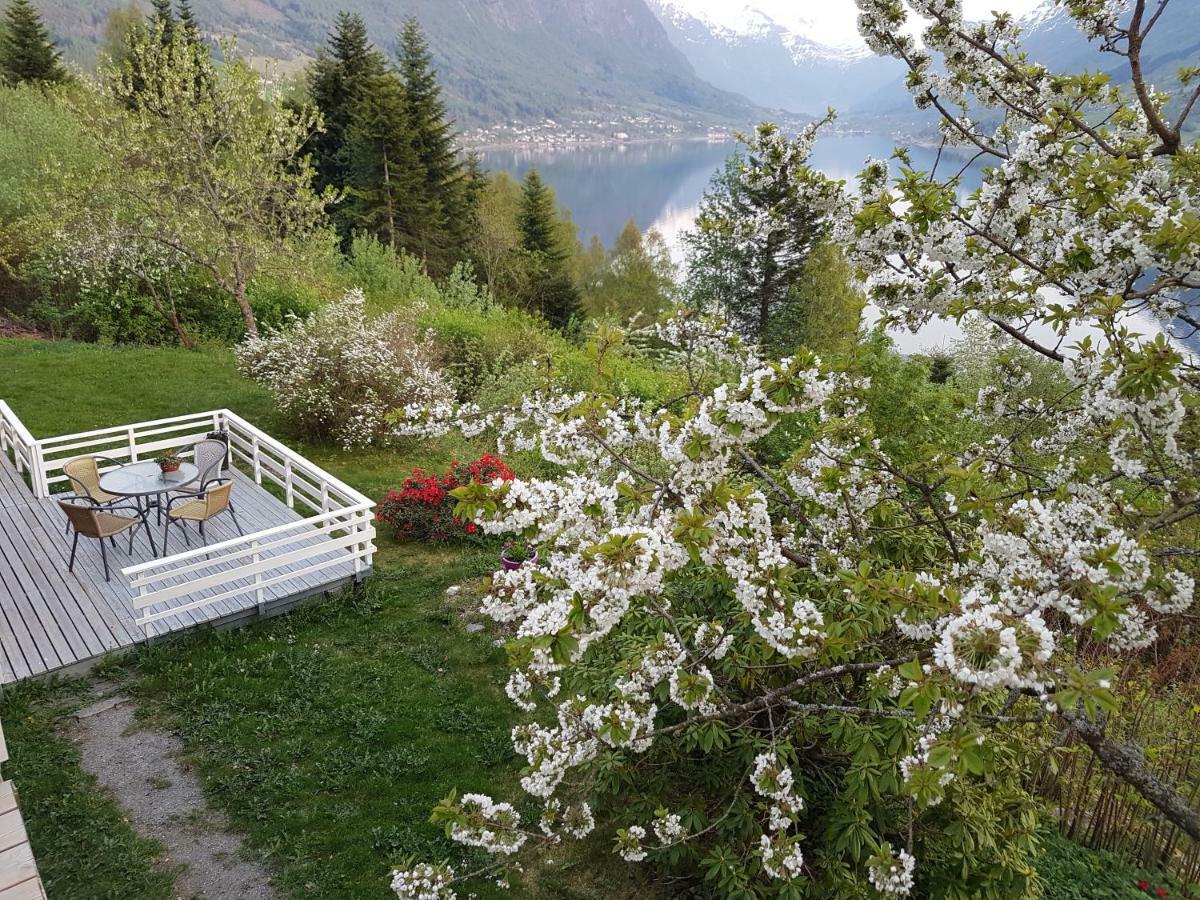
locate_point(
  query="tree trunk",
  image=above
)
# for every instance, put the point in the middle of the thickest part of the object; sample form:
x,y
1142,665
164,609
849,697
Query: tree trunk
x,y
391,215
243,302
1128,763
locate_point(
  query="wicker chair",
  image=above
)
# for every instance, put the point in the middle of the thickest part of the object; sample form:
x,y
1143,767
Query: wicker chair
x,y
209,457
97,521
84,472
199,507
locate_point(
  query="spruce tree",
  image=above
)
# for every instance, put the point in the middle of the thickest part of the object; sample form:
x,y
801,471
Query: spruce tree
x,y
26,51
163,15
383,189
334,82
445,235
536,219
187,21
550,291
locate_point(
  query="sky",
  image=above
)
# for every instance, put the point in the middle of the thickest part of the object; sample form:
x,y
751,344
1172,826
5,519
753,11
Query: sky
x,y
831,22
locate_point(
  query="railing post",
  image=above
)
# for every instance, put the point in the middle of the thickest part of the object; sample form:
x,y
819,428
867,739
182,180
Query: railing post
x,y
254,454
357,545
141,592
37,475
132,445
287,482
260,597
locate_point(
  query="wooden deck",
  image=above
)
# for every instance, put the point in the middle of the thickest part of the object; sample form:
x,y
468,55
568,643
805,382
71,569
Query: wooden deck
x,y
52,620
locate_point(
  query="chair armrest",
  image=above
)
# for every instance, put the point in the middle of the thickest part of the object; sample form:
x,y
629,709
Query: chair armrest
x,y
72,498
132,509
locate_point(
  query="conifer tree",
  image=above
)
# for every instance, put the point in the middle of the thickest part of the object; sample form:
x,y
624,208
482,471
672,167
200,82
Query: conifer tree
x,y
163,16
383,189
335,81
444,236
550,290
536,219
26,51
187,21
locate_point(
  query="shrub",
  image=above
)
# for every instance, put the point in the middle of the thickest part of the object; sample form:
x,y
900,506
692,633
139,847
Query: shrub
x,y
337,374
423,509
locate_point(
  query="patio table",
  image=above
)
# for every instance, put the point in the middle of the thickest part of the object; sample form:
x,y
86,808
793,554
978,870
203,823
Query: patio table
x,y
146,480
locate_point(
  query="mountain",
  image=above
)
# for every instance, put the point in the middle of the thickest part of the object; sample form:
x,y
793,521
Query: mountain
x,y
747,50
501,60
1050,36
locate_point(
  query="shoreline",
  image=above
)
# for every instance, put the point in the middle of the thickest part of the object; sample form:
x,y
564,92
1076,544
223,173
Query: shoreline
x,y
493,147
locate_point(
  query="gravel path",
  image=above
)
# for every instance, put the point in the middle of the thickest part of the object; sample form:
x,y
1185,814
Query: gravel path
x,y
143,769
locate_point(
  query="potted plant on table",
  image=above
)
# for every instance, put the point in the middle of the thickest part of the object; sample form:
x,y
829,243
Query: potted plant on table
x,y
516,554
168,461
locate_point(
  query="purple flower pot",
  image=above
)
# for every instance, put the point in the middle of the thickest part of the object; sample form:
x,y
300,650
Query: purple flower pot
x,y
511,565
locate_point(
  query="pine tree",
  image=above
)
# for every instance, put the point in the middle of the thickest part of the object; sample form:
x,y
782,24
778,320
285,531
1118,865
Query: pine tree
x,y
536,219
187,21
383,190
334,82
754,233
551,291
163,16
445,236
26,51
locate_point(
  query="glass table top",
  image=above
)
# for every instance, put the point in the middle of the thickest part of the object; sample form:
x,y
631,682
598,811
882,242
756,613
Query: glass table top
x,y
143,478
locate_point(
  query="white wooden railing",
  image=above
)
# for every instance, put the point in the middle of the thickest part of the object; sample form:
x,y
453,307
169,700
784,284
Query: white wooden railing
x,y
337,531
18,445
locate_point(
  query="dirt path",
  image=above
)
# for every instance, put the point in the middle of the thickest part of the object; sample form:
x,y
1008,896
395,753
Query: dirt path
x,y
144,769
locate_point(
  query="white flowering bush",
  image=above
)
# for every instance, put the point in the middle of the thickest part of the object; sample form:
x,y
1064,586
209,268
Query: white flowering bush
x,y
337,374
829,676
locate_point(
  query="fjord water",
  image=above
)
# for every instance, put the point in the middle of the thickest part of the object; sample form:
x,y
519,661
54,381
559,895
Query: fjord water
x,y
659,185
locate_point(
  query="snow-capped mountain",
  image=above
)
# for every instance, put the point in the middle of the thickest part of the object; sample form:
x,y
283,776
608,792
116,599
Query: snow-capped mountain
x,y
739,47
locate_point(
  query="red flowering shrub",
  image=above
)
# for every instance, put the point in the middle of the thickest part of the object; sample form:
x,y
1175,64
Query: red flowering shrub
x,y
423,510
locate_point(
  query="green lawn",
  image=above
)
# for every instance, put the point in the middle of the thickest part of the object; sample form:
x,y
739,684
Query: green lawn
x,y
327,735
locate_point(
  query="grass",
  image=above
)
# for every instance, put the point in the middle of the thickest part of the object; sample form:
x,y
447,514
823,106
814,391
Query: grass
x,y
60,387
84,846
328,735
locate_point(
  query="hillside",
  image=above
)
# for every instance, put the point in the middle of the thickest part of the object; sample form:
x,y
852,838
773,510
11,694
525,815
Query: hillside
x,y
779,65
772,63
501,60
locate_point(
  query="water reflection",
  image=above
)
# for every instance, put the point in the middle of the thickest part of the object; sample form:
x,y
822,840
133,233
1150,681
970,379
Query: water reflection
x,y
659,186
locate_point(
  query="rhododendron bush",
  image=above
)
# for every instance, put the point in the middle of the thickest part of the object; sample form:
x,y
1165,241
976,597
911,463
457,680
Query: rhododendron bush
x,y
828,677
423,507
336,374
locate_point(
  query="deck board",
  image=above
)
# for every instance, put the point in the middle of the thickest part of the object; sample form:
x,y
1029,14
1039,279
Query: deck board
x,y
51,618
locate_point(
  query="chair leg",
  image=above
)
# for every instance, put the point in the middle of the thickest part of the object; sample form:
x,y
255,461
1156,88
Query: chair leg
x,y
236,523
104,556
74,547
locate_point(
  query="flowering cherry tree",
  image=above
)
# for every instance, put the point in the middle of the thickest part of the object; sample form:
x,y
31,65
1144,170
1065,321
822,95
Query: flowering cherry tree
x,y
826,677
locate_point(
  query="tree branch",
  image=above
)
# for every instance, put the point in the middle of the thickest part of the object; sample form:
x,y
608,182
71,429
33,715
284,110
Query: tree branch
x,y
1128,763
